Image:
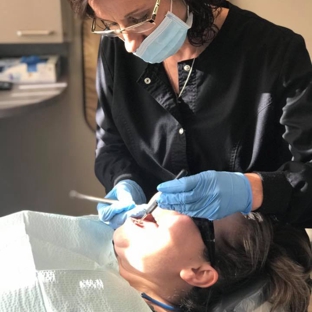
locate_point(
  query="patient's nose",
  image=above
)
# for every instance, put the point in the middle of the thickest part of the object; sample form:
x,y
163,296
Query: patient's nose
x,y
133,41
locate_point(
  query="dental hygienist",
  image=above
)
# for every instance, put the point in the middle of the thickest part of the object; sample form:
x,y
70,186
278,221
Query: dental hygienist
x,y
205,86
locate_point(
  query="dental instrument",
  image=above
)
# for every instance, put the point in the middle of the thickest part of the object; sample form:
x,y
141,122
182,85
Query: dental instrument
x,y
152,204
75,194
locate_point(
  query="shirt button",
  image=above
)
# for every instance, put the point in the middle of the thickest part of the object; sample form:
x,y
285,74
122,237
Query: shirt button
x,y
181,130
147,80
187,68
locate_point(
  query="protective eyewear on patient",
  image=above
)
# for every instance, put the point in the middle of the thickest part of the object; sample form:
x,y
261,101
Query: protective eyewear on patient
x,y
206,230
114,30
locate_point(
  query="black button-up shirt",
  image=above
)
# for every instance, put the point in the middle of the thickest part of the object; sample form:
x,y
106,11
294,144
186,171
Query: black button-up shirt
x,y
246,107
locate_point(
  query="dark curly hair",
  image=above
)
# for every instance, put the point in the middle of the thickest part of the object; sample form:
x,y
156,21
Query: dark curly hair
x,y
204,12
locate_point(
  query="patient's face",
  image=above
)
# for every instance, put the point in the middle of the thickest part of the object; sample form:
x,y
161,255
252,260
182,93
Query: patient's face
x,y
158,249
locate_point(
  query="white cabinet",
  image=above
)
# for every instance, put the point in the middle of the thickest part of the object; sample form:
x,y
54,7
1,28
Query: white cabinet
x,y
34,21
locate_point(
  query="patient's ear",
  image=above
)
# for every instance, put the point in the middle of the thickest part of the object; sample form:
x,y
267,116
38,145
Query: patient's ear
x,y
204,276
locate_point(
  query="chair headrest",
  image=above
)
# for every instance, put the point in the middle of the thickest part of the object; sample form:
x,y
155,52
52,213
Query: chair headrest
x,y
246,299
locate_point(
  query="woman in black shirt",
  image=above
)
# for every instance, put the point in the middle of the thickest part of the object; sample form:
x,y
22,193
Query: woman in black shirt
x,y
207,87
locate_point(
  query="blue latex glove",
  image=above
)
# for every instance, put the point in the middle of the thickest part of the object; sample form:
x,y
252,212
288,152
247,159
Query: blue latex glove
x,y
209,194
129,194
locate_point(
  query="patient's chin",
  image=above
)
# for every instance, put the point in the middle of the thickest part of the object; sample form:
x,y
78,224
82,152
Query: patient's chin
x,y
129,231
120,238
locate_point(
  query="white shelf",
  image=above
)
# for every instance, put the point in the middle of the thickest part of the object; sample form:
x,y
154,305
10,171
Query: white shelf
x,y
22,98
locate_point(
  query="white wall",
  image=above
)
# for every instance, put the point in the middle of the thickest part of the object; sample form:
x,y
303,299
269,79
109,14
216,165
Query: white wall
x,y
292,14
49,151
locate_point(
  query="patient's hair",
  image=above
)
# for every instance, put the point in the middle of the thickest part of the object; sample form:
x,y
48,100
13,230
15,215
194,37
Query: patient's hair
x,y
259,248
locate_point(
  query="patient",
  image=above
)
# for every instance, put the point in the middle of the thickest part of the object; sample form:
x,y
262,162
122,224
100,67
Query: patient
x,y
53,262
175,263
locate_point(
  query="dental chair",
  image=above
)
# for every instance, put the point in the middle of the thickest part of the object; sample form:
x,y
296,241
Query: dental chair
x,y
250,297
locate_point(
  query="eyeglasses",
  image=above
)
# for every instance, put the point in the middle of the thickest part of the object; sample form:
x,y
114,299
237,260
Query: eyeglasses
x,y
206,230
114,30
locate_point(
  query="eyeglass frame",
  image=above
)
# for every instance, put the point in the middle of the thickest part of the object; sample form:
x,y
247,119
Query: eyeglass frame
x,y
113,33
206,229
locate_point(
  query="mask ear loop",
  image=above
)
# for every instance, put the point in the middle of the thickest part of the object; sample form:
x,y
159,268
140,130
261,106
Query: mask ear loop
x,y
171,6
187,9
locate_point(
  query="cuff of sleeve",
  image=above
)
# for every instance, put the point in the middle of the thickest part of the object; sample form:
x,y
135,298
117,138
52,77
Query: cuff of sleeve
x,y
135,189
121,177
276,193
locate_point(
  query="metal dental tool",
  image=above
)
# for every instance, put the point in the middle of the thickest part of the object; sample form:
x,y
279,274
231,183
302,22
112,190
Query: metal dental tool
x,y
152,204
92,198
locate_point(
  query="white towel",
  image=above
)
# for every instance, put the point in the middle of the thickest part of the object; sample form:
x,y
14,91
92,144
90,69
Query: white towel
x,y
51,262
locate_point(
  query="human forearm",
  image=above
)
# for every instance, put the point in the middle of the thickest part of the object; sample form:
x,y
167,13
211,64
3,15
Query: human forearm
x,y
256,189
287,193
113,165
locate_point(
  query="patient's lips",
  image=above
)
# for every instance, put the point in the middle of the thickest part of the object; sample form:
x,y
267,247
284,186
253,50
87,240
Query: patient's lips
x,y
142,223
138,222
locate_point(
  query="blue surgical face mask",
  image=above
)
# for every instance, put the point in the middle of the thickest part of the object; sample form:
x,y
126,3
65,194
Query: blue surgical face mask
x,y
165,40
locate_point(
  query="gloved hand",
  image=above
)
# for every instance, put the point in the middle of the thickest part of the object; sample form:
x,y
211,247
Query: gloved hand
x,y
209,194
129,194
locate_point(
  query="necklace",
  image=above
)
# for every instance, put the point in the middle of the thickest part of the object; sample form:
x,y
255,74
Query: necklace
x,y
187,78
